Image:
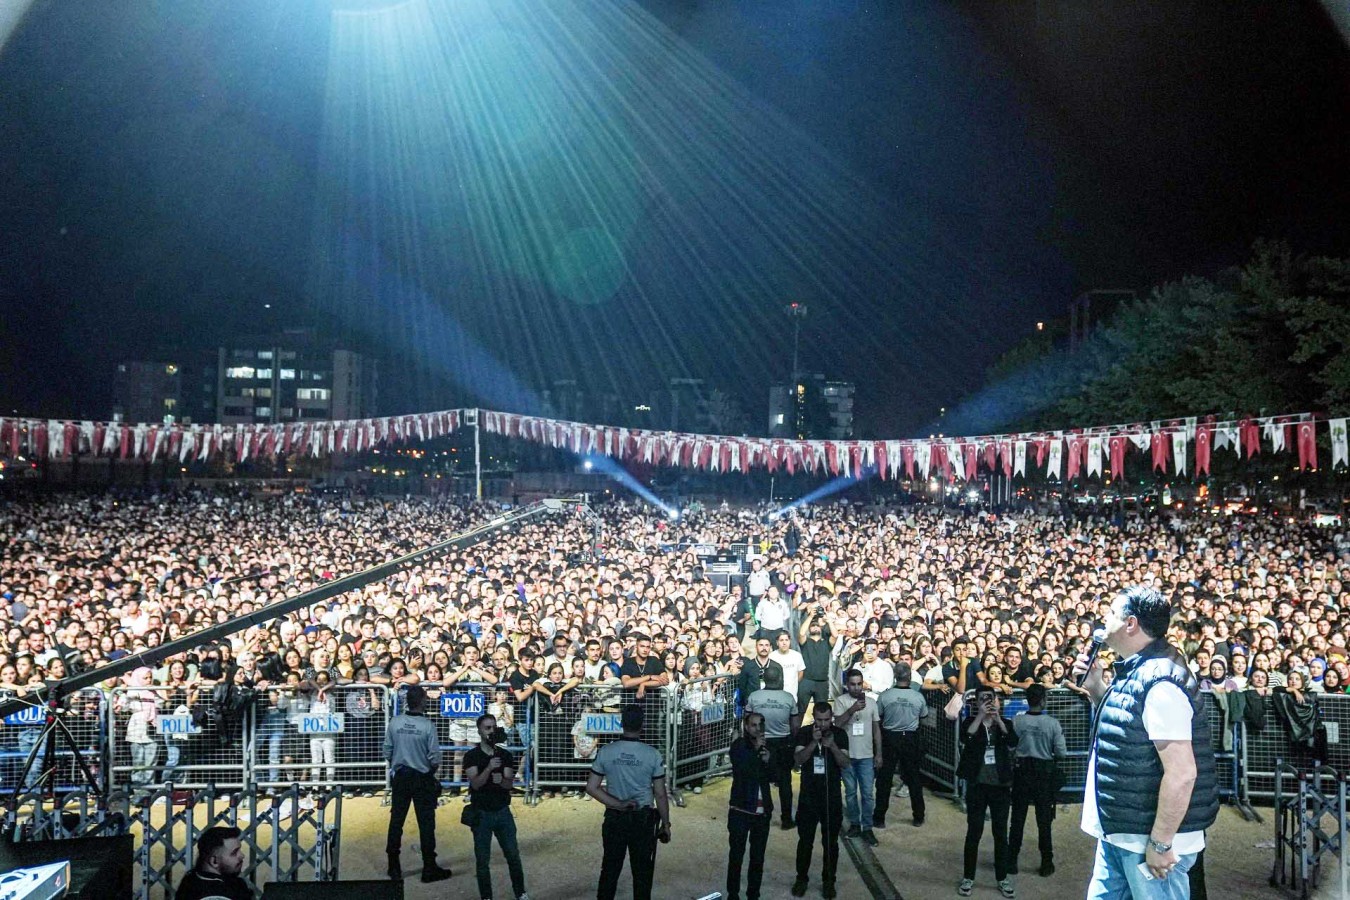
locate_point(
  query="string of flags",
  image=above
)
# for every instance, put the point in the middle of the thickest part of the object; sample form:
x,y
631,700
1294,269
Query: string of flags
x,y
1181,446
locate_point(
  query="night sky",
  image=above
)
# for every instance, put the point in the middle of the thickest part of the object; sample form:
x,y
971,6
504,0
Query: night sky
x,y
627,193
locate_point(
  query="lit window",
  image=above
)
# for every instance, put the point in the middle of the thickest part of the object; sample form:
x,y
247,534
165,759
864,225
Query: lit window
x,y
246,392
318,376
779,419
170,403
170,369
265,373
265,392
122,368
263,411
264,354
287,374
240,372
312,393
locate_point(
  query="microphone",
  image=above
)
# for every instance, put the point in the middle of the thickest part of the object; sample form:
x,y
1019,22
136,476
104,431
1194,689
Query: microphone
x,y
1098,638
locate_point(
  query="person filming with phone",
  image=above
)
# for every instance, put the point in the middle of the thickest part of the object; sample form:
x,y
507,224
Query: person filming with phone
x,y
1151,788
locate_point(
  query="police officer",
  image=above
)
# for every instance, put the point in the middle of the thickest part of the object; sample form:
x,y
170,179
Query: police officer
x,y
901,707
781,722
1036,778
414,754
634,776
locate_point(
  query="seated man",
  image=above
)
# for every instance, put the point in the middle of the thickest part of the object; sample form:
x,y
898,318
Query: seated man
x,y
220,859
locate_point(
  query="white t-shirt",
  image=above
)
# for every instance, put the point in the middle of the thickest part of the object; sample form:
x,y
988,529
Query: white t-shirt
x,y
772,614
879,675
1167,717
792,665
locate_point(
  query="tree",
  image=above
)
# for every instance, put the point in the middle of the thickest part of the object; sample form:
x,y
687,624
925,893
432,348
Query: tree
x,y
724,413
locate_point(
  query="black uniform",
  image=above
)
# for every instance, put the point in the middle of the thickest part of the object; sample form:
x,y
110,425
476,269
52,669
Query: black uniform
x,y
820,803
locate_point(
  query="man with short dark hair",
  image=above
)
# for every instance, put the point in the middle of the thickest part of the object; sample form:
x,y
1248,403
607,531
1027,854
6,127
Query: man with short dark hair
x,y
1040,744
215,874
856,713
820,751
491,770
1151,786
414,754
901,708
634,777
750,807
781,721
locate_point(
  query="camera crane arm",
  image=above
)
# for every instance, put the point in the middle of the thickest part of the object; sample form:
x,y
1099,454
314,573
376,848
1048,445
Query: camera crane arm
x,y
154,656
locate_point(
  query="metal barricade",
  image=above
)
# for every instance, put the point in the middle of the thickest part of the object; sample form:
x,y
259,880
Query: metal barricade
x,y
1225,739
1262,747
166,735
320,739
941,746
569,734
84,714
703,725
33,816
454,710
1074,713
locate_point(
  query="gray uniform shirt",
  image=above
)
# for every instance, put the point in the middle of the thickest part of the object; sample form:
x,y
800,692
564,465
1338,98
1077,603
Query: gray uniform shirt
x,y
777,707
628,768
411,742
1040,736
901,708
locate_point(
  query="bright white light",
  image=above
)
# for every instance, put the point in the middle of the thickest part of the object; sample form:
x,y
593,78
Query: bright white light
x,y
673,515
972,495
587,465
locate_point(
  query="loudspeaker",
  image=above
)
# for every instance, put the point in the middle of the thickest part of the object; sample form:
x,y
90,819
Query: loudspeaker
x,y
334,890
100,867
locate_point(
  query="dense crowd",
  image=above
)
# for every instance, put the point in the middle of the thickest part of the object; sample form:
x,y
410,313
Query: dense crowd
x,y
90,578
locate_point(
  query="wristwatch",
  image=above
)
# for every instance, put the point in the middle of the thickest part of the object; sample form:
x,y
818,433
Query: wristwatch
x,y
1158,846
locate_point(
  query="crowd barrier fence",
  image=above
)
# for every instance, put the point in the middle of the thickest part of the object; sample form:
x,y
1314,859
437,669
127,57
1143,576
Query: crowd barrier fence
x,y
704,722
84,714
318,740
137,738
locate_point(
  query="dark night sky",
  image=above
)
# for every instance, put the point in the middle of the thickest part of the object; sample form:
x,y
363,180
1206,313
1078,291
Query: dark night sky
x,y
162,180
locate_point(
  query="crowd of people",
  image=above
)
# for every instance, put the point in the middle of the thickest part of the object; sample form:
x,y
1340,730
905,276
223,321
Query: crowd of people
x,y
963,599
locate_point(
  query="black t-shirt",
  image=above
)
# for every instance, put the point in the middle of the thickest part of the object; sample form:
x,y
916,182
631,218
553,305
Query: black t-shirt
x,y
493,795
519,680
814,784
631,669
1026,671
816,656
196,886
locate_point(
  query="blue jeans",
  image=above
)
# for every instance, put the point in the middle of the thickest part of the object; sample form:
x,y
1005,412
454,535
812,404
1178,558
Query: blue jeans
x,y
860,777
503,825
273,731
1117,876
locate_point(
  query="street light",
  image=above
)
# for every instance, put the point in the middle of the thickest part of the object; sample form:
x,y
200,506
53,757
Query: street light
x,y
797,311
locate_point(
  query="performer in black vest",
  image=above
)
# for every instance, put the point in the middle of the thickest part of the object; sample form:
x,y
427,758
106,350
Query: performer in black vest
x,y
1151,790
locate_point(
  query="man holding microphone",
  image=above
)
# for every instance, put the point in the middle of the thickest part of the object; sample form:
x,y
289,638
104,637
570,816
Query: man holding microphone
x,y
1151,790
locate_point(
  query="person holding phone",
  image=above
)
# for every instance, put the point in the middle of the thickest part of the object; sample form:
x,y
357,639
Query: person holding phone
x,y
987,744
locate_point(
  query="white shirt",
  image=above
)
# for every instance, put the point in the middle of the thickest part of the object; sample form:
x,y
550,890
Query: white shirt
x,y
772,615
1167,717
792,665
757,583
878,674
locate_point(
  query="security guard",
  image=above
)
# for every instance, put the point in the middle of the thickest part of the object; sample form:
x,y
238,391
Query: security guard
x,y
781,722
1036,778
414,754
634,775
901,707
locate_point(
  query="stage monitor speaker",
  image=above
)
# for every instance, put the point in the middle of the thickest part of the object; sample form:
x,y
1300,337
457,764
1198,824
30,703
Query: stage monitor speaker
x,y
100,867
334,890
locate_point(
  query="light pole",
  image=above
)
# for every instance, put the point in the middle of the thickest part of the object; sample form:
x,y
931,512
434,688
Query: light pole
x,y
798,312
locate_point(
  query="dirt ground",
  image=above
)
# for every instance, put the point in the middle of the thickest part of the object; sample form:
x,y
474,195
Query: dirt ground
x,y
560,844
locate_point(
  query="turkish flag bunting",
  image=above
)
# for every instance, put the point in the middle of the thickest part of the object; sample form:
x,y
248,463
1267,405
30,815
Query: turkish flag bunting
x,y
1204,443
1159,444
907,454
1307,446
1117,445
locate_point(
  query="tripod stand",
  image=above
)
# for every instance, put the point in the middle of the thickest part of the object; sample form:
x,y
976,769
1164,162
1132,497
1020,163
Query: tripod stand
x,y
54,732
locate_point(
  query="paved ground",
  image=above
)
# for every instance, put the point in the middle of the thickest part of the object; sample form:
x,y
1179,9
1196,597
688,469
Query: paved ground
x,y
560,841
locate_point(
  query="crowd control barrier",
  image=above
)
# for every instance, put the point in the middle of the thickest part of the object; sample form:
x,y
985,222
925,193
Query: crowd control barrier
x,y
162,735
941,748
569,731
454,710
320,739
21,733
703,725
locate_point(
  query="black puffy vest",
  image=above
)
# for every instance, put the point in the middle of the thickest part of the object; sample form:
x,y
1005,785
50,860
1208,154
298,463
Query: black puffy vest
x,y
1129,770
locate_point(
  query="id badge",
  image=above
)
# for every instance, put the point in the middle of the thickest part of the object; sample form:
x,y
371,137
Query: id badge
x,y
859,727
820,765
989,758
